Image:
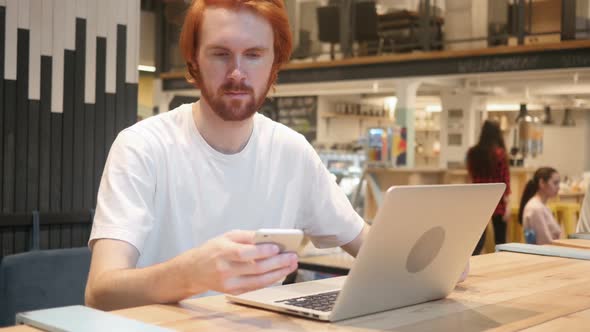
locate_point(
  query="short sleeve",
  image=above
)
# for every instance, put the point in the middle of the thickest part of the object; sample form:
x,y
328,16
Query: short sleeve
x,y
329,219
124,209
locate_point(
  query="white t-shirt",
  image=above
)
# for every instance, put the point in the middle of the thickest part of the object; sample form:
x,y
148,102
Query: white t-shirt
x,y
165,190
538,217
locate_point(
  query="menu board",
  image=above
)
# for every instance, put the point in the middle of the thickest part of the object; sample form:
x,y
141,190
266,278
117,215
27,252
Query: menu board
x,y
297,113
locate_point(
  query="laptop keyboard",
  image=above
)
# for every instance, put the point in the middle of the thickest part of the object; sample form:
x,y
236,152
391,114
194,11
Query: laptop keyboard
x,y
321,302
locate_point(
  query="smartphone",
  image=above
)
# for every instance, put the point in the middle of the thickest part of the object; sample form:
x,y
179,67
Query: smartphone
x,y
288,240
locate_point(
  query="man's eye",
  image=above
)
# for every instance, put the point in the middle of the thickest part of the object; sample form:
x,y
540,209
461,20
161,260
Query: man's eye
x,y
220,54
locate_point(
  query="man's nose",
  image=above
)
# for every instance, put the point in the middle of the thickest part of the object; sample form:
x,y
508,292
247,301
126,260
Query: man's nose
x,y
236,72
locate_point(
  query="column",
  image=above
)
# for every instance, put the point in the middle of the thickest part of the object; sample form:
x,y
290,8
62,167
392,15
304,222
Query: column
x,y
405,91
461,117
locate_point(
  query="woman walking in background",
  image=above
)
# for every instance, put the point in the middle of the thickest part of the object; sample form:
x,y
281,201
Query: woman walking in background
x,y
487,162
534,214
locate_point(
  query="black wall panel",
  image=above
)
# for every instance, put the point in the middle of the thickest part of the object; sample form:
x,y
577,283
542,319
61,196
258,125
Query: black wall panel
x,y
52,159
2,106
68,130
45,135
22,118
99,122
79,112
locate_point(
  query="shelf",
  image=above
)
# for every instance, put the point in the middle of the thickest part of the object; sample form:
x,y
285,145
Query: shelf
x,y
427,156
331,115
427,130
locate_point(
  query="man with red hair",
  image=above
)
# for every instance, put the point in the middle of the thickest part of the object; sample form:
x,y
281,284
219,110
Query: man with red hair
x,y
176,186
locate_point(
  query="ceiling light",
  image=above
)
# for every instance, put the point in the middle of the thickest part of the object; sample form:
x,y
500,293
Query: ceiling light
x,y
433,108
150,69
511,107
502,107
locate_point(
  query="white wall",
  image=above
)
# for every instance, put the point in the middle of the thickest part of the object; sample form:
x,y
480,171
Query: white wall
x,y
469,128
566,149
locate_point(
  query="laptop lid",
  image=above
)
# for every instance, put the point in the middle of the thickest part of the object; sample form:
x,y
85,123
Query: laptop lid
x,y
419,243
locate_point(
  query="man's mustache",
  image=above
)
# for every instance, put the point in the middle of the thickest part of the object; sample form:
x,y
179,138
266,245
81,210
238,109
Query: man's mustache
x,y
236,87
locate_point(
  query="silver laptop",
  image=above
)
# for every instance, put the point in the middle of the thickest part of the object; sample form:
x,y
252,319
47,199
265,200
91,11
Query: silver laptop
x,y
419,243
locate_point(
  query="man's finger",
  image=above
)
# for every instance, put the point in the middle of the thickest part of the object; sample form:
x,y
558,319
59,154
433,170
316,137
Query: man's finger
x,y
239,236
250,283
248,252
262,266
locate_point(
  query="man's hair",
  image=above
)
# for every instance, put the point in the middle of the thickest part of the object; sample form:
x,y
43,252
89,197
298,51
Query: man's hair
x,y
272,10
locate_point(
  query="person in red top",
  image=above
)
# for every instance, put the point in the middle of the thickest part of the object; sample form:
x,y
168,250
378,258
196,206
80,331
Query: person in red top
x,y
487,162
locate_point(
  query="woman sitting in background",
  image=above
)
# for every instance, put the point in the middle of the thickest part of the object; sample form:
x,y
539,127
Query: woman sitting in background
x,y
534,214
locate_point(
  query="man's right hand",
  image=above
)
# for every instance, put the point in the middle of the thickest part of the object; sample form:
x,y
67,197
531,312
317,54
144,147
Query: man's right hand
x,y
232,263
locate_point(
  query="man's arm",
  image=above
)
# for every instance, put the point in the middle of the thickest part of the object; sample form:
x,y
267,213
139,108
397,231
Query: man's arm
x,y
230,263
114,283
354,246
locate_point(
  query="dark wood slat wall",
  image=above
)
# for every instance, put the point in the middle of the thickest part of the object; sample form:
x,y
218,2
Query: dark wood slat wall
x,y
22,127
55,236
79,112
9,144
54,161
55,177
131,103
120,117
68,130
32,202
44,237
2,41
89,166
99,125
109,121
45,135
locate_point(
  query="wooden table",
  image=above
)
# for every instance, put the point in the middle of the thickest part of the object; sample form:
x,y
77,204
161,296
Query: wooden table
x,y
575,322
505,291
572,243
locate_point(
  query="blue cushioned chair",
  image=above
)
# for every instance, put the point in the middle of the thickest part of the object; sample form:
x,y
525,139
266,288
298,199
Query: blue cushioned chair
x,y
529,236
42,279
